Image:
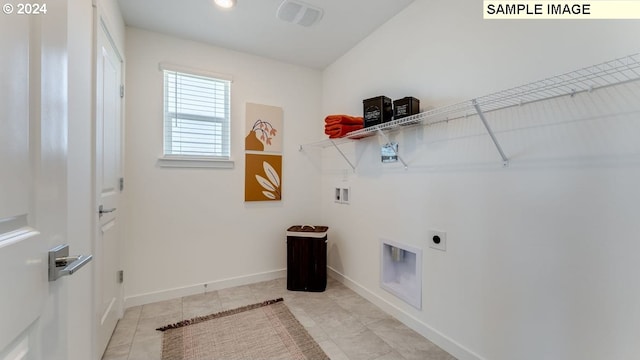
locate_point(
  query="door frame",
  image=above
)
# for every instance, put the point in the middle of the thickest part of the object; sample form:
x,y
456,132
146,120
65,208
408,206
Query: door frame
x,y
80,185
101,24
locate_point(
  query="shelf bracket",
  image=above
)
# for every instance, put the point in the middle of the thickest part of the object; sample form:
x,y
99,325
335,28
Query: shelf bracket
x,y
343,155
505,160
386,139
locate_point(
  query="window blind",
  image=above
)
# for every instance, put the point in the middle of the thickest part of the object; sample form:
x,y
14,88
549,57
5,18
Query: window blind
x,y
196,115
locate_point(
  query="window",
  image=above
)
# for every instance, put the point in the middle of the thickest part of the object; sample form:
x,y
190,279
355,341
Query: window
x,y
196,115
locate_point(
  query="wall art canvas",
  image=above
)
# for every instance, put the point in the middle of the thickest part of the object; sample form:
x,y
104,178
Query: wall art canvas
x,y
263,153
263,177
263,128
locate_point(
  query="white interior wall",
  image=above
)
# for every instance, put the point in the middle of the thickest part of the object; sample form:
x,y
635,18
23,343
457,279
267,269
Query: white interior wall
x,y
541,256
189,227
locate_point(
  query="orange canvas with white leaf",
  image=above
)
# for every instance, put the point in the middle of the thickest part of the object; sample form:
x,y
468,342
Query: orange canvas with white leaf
x,y
263,177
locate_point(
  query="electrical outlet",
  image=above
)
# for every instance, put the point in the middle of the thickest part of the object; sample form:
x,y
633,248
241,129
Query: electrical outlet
x,y
337,195
438,240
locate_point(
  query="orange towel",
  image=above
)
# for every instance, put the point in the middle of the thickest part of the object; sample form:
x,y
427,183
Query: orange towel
x,y
339,130
343,119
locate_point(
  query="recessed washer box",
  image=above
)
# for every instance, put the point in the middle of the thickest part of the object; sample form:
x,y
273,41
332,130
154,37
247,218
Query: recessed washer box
x,y
401,271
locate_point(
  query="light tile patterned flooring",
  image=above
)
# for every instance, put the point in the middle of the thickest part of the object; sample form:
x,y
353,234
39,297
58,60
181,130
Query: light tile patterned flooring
x,y
344,324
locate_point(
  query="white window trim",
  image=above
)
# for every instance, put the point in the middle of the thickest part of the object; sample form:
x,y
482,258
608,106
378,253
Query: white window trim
x,y
180,161
195,162
189,70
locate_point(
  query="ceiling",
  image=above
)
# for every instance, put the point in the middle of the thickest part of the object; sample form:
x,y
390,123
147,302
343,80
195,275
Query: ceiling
x,y
252,26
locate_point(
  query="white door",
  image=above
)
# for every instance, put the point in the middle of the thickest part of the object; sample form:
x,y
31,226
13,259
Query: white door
x,y
33,157
108,174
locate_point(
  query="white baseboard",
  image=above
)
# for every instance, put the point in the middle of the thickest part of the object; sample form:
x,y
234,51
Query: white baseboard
x,y
142,299
447,344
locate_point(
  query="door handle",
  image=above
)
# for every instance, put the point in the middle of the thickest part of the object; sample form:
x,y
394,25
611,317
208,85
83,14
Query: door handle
x,y
61,264
102,210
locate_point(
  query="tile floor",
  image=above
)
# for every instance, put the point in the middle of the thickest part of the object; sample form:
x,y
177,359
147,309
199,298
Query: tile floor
x,y
344,324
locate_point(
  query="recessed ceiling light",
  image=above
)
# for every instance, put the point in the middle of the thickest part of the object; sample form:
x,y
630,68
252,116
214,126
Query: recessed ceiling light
x,y
227,4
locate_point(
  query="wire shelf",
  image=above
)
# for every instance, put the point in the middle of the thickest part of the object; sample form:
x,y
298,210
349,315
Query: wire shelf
x,y
610,73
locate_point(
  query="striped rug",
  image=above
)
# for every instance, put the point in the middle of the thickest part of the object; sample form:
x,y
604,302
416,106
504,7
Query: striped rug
x,y
267,330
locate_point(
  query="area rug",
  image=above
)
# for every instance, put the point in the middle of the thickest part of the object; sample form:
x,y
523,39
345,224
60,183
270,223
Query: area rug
x,y
267,330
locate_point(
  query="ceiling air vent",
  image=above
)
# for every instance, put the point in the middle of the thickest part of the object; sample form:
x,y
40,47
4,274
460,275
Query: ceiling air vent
x,y
300,13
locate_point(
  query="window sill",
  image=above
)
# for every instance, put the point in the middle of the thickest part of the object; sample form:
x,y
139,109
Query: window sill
x,y
195,162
